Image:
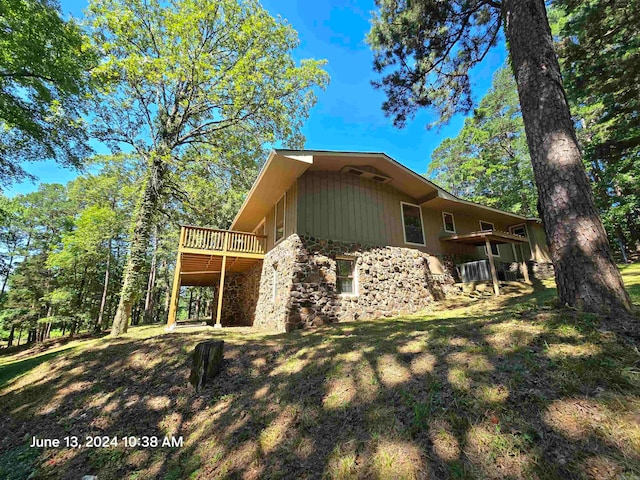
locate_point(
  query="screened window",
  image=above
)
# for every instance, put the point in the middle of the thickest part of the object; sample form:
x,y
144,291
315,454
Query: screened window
x,y
279,219
522,231
486,225
494,250
345,276
412,222
449,223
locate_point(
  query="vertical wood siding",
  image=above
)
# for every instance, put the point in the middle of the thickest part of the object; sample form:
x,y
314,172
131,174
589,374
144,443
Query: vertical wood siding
x,y
538,240
339,206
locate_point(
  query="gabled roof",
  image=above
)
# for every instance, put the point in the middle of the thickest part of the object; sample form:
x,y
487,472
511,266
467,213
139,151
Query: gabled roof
x,y
283,167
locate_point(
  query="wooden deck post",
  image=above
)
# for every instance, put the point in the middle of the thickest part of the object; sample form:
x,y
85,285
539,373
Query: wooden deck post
x,y
175,291
494,275
523,267
221,286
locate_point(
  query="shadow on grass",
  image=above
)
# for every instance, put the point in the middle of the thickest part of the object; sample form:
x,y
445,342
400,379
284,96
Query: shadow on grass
x,y
13,370
493,395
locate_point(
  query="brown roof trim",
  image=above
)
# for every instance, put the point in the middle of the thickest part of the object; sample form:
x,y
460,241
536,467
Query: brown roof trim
x,y
478,238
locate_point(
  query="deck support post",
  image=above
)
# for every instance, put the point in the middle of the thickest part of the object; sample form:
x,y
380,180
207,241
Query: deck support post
x,y
523,267
494,275
220,293
221,286
177,280
175,293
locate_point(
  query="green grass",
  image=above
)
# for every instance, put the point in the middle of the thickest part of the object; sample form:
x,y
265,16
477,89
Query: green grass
x,y
506,387
13,370
631,275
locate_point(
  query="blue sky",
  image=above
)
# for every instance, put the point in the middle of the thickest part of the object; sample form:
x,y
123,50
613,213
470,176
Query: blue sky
x,y
348,115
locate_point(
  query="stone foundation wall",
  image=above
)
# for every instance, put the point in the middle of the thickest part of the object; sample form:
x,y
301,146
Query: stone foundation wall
x,y
250,291
390,281
274,302
541,270
240,297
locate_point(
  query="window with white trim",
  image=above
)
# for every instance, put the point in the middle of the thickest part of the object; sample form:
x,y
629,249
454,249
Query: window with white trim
x,y
449,222
495,251
412,224
486,225
346,276
520,230
279,221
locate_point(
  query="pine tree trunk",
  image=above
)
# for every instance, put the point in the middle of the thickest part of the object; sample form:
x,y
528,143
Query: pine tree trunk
x,y
105,288
149,303
198,300
585,272
6,278
137,251
11,335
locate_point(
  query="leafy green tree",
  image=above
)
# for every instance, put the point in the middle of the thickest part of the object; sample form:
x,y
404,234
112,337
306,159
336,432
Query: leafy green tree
x,y
488,162
599,49
425,50
45,63
210,76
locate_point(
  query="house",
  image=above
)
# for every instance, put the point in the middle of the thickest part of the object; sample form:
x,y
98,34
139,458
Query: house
x,y
326,236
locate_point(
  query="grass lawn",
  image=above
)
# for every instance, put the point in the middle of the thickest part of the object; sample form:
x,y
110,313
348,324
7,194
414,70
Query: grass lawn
x,y
475,388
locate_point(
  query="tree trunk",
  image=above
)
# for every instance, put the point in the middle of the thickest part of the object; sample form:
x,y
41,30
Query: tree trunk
x,y
198,300
137,251
12,333
6,278
585,272
167,297
190,303
149,302
105,288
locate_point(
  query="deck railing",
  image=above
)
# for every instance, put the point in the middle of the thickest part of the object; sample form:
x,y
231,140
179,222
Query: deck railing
x,y
202,238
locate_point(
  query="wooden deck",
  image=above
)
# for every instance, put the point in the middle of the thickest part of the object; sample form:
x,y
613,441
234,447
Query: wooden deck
x,y
205,255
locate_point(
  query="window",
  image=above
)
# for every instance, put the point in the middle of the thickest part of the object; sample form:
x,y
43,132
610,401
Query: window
x,y
449,222
494,250
412,224
521,230
346,276
279,223
524,248
486,225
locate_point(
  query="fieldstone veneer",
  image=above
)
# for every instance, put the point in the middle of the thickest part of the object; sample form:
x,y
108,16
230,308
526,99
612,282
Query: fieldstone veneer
x,y
390,281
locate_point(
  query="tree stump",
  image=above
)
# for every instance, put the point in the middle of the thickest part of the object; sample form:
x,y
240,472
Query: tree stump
x,y
207,362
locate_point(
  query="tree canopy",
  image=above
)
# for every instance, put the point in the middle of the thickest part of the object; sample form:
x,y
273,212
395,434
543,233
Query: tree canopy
x,y
189,82
488,161
45,64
